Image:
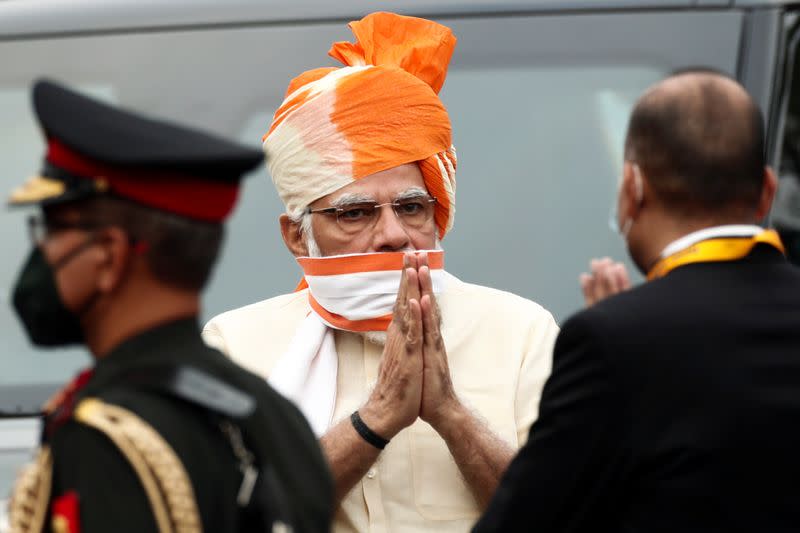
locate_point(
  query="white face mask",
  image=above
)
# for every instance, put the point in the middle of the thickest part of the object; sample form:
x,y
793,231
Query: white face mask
x,y
357,292
613,219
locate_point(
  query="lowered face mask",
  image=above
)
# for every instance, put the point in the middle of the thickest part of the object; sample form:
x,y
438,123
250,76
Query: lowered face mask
x,y
38,303
357,292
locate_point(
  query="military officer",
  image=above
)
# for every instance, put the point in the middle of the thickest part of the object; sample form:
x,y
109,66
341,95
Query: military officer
x,y
163,433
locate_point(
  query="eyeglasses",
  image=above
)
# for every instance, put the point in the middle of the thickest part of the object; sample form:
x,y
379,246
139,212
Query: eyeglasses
x,y
40,227
356,217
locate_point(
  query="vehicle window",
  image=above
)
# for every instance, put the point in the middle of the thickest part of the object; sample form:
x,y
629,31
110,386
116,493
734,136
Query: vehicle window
x,y
539,196
539,106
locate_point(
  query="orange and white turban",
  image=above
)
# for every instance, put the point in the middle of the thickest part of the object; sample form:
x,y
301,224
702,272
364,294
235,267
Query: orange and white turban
x,y
381,110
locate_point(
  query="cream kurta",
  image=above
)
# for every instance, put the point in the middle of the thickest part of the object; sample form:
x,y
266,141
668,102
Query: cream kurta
x,y
499,349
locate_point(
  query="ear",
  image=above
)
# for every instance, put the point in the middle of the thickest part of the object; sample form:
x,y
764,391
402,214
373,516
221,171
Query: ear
x,y
293,236
768,189
631,192
117,250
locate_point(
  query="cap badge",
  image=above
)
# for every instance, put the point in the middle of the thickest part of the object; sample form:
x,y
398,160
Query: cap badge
x,y
36,189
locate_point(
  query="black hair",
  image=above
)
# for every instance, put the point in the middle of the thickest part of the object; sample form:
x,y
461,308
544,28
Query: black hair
x,y
180,252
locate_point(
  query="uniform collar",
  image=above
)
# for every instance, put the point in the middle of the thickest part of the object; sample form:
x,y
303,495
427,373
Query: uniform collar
x,y
728,230
172,342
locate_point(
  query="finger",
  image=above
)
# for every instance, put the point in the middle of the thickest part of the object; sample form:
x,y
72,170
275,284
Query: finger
x,y
400,302
431,331
594,265
411,258
587,282
610,280
422,259
426,281
426,284
605,280
414,333
617,276
601,265
614,285
607,284
414,264
401,312
623,280
427,319
412,288
409,263
597,282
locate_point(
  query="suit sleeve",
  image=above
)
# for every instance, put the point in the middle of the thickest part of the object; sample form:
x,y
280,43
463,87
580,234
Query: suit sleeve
x,y
101,482
560,476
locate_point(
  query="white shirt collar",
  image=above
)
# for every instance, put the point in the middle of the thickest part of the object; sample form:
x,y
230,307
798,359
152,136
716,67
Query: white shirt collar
x,y
729,230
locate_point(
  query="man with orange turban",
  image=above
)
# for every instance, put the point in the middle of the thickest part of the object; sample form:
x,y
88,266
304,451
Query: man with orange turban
x,y
419,386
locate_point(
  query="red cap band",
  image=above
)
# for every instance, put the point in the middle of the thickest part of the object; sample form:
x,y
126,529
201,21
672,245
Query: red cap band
x,y
192,197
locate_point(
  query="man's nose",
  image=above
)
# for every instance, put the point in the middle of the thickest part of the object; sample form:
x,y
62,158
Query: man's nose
x,y
389,233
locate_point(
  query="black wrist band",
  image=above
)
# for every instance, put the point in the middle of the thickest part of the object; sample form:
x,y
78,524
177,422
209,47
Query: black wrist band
x,y
366,433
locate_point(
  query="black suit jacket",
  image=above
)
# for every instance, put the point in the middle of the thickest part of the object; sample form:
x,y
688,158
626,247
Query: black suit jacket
x,y
672,407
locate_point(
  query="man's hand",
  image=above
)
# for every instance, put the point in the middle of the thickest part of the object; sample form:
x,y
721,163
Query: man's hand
x,y
395,402
607,279
439,400
414,382
480,455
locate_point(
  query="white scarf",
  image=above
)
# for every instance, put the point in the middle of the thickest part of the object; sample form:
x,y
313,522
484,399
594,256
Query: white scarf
x,y
349,292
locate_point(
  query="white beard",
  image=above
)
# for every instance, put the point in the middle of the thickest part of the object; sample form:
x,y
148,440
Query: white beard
x,y
375,337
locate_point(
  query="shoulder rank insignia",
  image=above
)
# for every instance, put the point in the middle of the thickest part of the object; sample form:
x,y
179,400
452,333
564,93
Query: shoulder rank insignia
x,y
155,463
28,506
58,409
66,515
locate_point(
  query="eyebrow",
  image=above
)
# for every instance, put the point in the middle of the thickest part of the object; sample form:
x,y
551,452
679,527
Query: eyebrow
x,y
409,194
352,198
360,198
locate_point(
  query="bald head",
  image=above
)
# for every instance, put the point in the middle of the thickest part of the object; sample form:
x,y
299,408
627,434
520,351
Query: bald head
x,y
699,138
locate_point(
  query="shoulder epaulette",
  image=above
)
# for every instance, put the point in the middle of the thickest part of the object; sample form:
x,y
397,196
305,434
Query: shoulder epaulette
x,y
28,506
195,386
155,463
165,481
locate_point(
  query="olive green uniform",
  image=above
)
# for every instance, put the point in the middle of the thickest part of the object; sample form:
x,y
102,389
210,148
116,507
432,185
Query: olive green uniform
x,y
110,495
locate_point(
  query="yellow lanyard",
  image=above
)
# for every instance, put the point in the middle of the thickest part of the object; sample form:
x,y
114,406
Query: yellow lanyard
x,y
721,249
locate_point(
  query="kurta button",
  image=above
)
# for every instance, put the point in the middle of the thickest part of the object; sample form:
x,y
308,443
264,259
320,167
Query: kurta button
x,y
371,473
